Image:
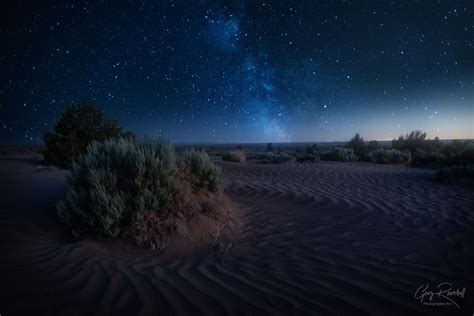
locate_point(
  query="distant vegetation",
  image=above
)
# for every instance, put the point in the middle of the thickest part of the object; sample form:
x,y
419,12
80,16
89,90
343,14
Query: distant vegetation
x,y
455,159
271,157
125,188
235,156
388,156
447,174
340,154
416,141
77,127
312,150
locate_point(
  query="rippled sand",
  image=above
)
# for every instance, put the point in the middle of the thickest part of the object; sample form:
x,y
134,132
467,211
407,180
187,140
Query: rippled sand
x,y
319,238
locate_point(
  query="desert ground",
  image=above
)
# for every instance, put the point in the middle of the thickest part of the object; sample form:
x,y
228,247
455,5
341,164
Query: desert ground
x,y
315,238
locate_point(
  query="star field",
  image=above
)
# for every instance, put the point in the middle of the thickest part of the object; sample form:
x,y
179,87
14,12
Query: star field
x,y
248,71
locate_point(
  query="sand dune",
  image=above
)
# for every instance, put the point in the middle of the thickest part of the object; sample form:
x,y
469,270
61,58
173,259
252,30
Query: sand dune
x,y
320,238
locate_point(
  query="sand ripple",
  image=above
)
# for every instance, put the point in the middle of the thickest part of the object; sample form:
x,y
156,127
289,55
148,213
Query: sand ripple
x,y
322,238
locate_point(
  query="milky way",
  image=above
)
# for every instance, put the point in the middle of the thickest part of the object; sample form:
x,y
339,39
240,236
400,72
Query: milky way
x,y
250,71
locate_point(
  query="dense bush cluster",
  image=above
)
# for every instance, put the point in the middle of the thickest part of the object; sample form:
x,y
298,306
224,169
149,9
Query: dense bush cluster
x,y
340,154
76,128
373,145
464,155
421,157
235,156
121,187
416,141
388,156
303,157
447,174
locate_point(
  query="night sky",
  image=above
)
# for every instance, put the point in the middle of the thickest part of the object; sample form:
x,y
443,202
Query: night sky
x,y
243,71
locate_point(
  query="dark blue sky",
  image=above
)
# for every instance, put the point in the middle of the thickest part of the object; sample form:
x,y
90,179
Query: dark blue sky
x,y
241,71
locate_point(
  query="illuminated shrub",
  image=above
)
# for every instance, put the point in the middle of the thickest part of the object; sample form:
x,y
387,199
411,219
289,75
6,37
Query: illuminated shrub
x,y
235,156
121,188
204,173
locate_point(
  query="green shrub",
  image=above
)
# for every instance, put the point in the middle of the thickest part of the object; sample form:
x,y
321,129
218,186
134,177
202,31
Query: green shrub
x,y
455,147
113,181
76,128
388,156
421,157
467,154
121,187
340,154
271,157
302,157
312,150
205,174
455,172
235,156
464,157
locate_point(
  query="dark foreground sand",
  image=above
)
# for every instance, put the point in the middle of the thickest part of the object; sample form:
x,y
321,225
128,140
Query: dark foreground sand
x,y
322,238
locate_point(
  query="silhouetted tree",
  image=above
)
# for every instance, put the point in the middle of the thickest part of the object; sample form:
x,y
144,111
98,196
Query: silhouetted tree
x,y
373,145
312,150
358,145
416,141
270,147
75,129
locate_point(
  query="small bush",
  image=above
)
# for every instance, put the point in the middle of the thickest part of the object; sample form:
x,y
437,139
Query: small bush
x,y
235,156
76,128
121,187
312,150
446,174
340,154
302,157
388,156
205,174
271,157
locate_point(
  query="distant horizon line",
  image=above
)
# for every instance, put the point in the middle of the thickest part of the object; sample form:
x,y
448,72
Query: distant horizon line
x,y
36,143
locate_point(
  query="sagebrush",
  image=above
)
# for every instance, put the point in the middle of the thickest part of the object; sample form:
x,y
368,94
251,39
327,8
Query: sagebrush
x,y
388,156
120,187
340,154
235,156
